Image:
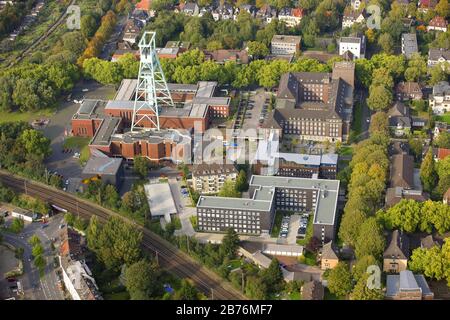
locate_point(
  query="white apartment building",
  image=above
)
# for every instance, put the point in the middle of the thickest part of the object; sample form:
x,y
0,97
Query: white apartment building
x,y
355,45
440,99
285,45
209,178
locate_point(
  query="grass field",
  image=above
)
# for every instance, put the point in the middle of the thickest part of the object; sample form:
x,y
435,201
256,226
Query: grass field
x,y
80,143
24,116
345,151
444,118
356,129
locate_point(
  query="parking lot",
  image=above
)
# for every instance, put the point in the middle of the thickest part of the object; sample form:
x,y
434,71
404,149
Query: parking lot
x,y
256,111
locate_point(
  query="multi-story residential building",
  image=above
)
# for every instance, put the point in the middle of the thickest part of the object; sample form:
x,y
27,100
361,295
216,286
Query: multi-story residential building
x,y
407,286
439,101
354,45
409,44
77,277
438,24
209,178
267,194
285,45
408,91
436,56
290,16
269,161
352,16
396,255
315,106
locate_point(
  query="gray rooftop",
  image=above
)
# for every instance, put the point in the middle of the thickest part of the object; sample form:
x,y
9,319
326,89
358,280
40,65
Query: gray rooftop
x,y
326,201
126,90
409,44
286,39
233,203
106,130
406,281
206,89
160,200
102,165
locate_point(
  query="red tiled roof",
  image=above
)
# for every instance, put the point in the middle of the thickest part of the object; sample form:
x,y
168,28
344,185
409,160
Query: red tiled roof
x,y
443,153
297,12
144,5
438,22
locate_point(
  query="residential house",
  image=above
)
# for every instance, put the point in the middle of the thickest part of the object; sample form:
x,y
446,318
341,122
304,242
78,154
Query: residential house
x,y
145,6
352,16
442,153
315,106
209,178
124,48
224,12
329,257
425,5
356,4
408,91
396,255
285,45
313,290
355,45
440,127
399,119
250,9
438,24
173,49
409,44
437,56
190,9
396,194
446,197
290,16
407,286
439,100
132,30
223,55
428,242
267,13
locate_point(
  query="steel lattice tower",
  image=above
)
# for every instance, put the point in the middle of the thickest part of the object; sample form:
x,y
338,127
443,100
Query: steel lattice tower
x,y
151,90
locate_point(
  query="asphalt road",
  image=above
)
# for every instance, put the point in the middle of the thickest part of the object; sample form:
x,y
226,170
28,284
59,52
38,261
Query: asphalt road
x,y
35,287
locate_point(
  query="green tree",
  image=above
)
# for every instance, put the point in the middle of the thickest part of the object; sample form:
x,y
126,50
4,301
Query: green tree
x,y
428,172
255,288
362,291
350,225
34,240
257,49
39,262
379,123
111,197
17,225
88,25
141,280
443,140
370,240
186,292
360,268
37,250
93,234
241,181
229,190
443,9
437,74
340,280
273,277
141,166
35,143
229,244
6,91
380,98
69,218
417,68
386,42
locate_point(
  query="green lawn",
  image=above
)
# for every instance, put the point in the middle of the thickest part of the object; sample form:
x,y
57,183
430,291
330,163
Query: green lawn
x,y
193,220
444,118
310,258
356,129
81,144
295,295
345,151
24,116
277,224
177,223
234,264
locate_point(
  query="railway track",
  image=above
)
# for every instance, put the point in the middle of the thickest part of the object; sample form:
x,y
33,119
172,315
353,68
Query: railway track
x,y
169,257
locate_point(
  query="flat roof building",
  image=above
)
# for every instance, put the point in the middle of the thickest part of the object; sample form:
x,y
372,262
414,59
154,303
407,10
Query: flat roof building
x,y
109,170
160,200
409,44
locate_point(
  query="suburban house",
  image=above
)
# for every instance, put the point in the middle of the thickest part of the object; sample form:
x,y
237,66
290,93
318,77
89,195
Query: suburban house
x,y
408,91
396,255
223,55
190,9
352,16
399,119
428,242
145,6
209,178
439,127
407,286
425,5
446,197
132,30
439,100
438,24
313,290
436,56
285,45
267,13
329,256
354,45
356,4
409,44
290,16
124,48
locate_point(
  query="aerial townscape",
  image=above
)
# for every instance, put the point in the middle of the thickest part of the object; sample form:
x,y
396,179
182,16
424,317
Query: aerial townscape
x,y
224,150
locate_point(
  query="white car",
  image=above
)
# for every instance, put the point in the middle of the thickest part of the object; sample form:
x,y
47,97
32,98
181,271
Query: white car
x,y
85,90
76,155
368,120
